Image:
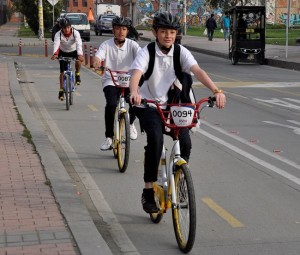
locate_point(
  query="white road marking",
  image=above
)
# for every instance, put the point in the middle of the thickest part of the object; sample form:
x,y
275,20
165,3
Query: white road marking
x,y
296,130
253,158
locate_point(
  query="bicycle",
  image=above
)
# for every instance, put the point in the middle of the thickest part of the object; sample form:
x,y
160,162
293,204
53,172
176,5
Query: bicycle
x,y
174,187
68,82
121,139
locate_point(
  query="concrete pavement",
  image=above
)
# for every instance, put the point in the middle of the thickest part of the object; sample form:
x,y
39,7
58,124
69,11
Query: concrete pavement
x,y
39,207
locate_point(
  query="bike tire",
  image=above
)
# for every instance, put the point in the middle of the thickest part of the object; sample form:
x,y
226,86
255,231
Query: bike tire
x,y
67,90
184,214
71,93
115,141
124,142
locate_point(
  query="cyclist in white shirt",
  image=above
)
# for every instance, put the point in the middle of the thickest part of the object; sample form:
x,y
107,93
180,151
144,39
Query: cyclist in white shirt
x,y
163,78
118,54
67,43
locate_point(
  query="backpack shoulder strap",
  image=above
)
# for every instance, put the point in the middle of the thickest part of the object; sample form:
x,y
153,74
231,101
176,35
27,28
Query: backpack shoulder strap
x,y
176,61
151,49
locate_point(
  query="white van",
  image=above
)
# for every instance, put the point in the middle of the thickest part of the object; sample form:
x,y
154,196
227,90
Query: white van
x,y
80,22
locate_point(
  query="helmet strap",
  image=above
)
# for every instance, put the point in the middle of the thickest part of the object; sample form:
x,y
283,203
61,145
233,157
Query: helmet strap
x,y
118,42
164,49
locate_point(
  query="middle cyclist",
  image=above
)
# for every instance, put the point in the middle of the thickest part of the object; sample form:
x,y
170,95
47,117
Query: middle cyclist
x,y
118,54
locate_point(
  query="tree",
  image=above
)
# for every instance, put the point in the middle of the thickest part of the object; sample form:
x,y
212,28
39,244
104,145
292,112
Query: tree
x,y
226,4
29,8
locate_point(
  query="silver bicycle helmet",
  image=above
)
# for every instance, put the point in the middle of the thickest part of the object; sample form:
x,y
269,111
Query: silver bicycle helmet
x,y
64,22
165,20
121,21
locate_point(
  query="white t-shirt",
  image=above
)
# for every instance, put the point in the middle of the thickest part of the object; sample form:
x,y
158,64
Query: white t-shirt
x,y
117,59
163,75
69,44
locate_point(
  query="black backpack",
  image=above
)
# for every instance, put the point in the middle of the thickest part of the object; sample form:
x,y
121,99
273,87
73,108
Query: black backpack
x,y
175,95
55,29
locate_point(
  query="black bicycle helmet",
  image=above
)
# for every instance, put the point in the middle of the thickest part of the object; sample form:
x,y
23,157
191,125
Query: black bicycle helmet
x,y
165,20
121,21
64,22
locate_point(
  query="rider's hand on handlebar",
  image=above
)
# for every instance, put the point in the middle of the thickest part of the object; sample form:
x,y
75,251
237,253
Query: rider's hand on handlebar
x,y
220,100
97,63
80,58
135,98
54,57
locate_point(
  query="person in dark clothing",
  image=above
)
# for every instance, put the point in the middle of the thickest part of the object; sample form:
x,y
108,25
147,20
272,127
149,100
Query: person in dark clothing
x,y
133,34
55,29
242,25
211,25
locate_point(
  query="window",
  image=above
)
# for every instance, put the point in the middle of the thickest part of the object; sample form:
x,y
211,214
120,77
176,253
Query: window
x,y
84,3
75,3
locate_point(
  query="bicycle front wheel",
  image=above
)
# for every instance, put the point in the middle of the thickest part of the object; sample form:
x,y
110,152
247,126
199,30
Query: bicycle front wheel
x,y
124,142
184,213
71,93
67,90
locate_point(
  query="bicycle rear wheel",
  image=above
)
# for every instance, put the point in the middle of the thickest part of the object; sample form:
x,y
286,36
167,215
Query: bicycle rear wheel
x,y
184,214
124,142
67,90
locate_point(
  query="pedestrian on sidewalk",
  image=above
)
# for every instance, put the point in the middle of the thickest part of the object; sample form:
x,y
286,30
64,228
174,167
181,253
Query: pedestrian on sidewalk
x,y
225,25
211,25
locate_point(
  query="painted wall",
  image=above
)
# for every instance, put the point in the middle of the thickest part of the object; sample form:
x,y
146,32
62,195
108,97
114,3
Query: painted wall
x,y
198,12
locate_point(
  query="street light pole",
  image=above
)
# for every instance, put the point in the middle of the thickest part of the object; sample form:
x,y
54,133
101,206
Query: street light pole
x,y
184,18
287,27
41,20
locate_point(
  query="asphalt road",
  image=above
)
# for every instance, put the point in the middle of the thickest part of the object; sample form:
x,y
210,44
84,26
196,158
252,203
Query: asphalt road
x,y
245,161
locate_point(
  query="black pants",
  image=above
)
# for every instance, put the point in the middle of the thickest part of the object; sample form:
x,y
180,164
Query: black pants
x,y
210,33
152,124
111,94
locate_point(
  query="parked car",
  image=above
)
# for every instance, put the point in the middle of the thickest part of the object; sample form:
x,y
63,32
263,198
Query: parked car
x,y
80,22
104,24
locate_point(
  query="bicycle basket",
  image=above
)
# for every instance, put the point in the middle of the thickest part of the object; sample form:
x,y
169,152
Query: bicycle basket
x,y
183,115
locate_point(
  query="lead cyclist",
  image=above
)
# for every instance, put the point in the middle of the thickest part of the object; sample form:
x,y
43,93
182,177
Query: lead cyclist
x,y
163,78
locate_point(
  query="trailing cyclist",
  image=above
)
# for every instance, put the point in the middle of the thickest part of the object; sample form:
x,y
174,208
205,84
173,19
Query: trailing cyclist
x,y
67,43
118,54
162,82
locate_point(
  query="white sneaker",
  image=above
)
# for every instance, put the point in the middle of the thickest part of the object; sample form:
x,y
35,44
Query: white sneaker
x,y
106,145
133,132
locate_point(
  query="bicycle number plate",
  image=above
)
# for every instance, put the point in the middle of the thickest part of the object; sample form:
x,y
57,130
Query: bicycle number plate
x,y
182,115
123,79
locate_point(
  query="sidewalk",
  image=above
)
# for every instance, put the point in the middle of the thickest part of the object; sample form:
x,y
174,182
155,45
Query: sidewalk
x,y
40,211
30,222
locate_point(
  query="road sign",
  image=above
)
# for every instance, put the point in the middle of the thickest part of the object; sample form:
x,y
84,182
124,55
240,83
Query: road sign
x,y
53,2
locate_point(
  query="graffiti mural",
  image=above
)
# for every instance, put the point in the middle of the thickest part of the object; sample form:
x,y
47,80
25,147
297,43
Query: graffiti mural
x,y
197,11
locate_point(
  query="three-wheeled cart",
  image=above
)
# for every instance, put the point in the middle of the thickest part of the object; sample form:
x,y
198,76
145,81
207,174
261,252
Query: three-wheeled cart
x,y
247,30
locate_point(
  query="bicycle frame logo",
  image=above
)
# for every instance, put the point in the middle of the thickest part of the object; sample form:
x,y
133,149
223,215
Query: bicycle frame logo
x,y
182,115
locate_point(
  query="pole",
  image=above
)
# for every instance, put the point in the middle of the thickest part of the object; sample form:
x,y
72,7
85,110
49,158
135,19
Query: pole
x,y
184,18
287,28
41,20
53,13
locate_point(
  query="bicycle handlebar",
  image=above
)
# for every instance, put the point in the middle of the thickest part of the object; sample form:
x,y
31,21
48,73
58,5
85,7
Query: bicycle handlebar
x,y
67,59
120,78
180,115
